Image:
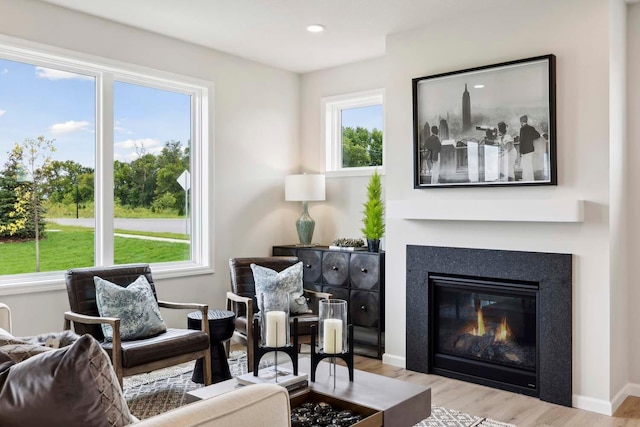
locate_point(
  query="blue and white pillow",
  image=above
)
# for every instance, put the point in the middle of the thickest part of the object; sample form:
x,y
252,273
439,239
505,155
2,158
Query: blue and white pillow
x,y
278,285
135,306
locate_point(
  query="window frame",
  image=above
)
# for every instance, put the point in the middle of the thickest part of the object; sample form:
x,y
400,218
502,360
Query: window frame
x,y
331,120
106,71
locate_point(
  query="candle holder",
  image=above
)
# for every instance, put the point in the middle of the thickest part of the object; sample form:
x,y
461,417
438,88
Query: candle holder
x,y
335,338
274,335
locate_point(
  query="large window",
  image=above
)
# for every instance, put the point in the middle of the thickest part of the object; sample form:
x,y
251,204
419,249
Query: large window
x,y
353,132
99,165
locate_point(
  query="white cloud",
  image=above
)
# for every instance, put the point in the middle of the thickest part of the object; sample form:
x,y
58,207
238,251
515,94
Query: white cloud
x,y
123,130
51,74
2,112
148,144
70,126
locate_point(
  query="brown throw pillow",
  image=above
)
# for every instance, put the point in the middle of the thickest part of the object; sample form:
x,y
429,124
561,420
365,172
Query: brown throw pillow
x,y
58,387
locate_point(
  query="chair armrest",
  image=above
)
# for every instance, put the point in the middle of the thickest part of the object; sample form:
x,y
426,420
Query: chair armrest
x,y
91,320
5,317
237,298
313,299
203,308
232,304
183,305
116,351
316,295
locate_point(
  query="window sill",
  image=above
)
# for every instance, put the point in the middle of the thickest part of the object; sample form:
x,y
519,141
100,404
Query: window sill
x,y
54,280
354,172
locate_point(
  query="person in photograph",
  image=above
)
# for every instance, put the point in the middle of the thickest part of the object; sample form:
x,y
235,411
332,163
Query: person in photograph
x,y
508,154
528,134
434,147
425,159
540,158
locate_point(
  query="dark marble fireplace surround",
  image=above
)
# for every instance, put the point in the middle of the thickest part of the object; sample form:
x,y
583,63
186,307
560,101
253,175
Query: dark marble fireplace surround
x,y
552,272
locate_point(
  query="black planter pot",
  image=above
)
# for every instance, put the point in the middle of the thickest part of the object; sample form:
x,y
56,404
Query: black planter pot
x,y
373,245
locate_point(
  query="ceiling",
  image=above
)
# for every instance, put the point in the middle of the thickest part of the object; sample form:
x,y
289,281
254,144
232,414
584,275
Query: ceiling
x,y
274,31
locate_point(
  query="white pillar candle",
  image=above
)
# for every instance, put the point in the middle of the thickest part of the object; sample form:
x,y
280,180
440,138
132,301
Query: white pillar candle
x,y
332,341
276,328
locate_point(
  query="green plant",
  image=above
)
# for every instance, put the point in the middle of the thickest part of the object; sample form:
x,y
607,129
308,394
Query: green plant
x,y
373,219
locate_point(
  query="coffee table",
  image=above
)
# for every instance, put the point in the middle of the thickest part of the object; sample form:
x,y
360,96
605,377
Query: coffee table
x,y
402,404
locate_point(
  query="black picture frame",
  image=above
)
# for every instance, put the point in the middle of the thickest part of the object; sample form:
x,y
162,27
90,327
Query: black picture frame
x,y
494,125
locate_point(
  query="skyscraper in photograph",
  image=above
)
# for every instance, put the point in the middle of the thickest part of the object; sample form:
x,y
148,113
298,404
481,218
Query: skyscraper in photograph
x,y
466,110
443,130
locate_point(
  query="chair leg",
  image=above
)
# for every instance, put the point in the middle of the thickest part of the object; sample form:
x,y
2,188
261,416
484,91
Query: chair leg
x,y
249,357
207,367
118,370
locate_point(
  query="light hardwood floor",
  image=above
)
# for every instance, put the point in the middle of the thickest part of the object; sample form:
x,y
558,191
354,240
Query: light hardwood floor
x,y
523,411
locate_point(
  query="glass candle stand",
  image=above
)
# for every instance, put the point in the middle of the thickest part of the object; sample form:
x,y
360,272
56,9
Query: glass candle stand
x,y
275,321
332,326
272,334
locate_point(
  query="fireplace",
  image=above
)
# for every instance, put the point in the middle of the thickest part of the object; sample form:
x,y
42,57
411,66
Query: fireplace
x,y
484,331
497,318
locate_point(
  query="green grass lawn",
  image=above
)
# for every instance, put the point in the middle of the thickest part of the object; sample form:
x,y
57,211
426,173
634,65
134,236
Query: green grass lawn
x,y
74,247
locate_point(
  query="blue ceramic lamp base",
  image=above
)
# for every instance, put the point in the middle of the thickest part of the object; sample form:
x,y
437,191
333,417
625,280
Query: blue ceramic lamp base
x,y
305,226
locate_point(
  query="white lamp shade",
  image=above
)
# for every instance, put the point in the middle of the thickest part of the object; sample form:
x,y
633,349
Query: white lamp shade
x,y
304,188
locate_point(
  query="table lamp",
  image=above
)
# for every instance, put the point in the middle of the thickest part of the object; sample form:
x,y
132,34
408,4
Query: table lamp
x,y
304,188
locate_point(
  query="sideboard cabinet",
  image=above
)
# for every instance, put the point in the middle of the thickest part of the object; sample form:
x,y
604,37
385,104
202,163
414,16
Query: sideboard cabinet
x,y
354,276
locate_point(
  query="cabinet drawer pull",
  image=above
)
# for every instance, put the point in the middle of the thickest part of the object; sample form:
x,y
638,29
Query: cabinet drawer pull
x,y
363,308
334,268
364,270
308,265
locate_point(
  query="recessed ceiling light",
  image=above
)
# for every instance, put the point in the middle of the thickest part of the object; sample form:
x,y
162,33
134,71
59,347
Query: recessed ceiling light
x,y
315,28
478,86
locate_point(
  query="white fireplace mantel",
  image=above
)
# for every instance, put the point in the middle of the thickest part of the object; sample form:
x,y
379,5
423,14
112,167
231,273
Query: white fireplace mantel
x,y
551,210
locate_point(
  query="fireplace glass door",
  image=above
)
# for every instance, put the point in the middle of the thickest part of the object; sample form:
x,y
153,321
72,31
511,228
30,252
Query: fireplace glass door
x,y
486,330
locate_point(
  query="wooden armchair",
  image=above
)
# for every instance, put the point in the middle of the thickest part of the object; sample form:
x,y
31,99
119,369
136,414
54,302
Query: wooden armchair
x,y
242,300
136,356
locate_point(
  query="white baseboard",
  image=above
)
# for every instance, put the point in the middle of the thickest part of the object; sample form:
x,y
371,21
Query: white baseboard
x,y
630,389
393,360
592,404
602,406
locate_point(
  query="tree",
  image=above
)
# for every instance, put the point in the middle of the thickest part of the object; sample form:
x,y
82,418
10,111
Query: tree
x,y
375,148
14,212
373,219
361,147
33,168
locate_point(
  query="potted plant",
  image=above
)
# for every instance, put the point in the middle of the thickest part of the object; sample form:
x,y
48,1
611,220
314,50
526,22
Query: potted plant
x,y
373,219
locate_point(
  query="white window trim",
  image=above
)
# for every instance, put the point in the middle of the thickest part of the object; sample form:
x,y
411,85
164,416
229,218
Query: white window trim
x,y
202,147
331,119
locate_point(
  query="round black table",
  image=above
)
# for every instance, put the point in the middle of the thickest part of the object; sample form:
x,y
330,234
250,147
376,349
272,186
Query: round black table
x,y
221,326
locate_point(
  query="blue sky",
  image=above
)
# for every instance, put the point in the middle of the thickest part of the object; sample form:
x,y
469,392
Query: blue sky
x,y
366,117
38,101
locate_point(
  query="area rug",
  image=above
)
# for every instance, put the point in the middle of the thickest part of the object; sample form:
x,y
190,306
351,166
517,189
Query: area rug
x,y
160,391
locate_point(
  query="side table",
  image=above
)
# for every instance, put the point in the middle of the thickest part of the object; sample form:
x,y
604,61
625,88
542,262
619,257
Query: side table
x,y
221,326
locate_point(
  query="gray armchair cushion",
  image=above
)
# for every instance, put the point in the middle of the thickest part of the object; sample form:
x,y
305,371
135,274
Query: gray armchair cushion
x,y
278,284
135,305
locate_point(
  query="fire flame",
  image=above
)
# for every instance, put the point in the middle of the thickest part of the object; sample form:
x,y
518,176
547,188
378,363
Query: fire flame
x,y
480,330
503,331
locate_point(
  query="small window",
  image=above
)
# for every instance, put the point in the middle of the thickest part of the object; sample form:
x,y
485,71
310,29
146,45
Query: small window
x,y
353,136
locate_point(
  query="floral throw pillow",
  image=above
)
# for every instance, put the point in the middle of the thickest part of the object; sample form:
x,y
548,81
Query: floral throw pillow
x,y
278,285
135,305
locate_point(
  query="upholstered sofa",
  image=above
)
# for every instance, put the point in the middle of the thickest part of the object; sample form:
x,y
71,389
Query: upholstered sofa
x,y
254,405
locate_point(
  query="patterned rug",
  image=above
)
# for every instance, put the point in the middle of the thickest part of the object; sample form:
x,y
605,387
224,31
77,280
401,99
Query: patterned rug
x,y
159,391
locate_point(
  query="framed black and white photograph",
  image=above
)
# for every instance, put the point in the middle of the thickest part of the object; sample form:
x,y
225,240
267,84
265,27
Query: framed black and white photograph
x,y
487,126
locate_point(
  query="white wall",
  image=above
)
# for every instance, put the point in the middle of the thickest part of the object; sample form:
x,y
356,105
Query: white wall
x,y
633,112
618,198
255,120
341,214
578,34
